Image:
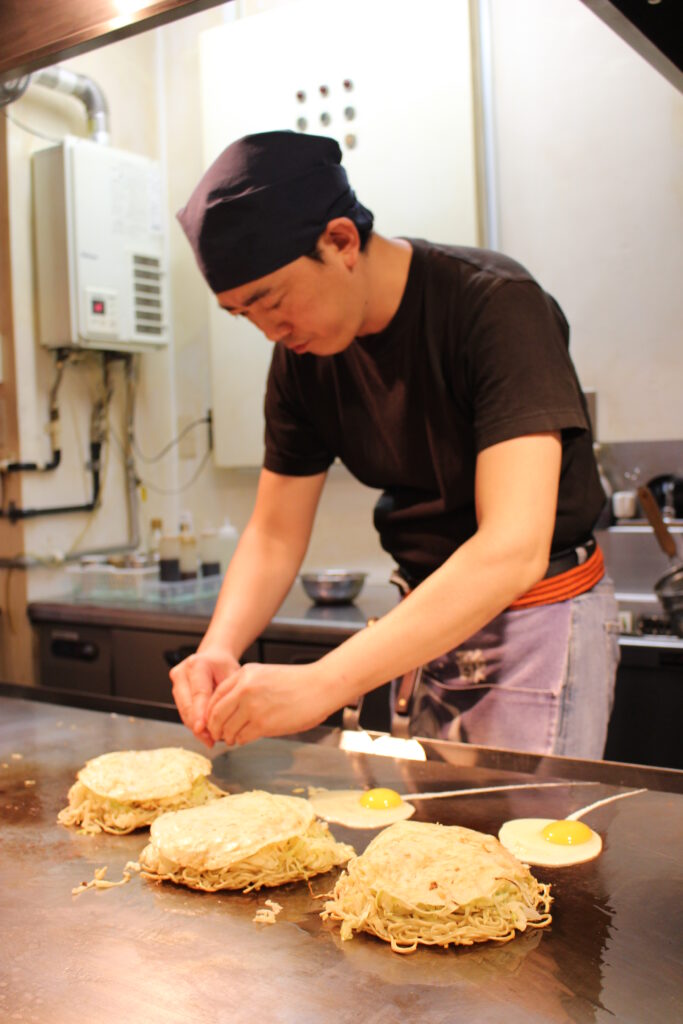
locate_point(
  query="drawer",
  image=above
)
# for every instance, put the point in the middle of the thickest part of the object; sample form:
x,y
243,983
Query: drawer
x,y
75,658
142,661
648,707
375,711
282,653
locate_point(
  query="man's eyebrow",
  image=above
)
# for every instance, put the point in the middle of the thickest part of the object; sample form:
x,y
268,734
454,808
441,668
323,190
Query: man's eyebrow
x,y
260,293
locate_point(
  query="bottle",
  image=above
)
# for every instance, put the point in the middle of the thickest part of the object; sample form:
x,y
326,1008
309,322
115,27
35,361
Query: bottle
x,y
169,558
209,553
188,555
155,532
185,522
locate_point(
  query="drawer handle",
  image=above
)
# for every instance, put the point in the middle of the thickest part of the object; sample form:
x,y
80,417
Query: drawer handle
x,y
74,650
174,657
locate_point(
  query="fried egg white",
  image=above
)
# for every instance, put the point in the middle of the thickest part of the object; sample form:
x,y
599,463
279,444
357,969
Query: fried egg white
x,y
550,843
359,808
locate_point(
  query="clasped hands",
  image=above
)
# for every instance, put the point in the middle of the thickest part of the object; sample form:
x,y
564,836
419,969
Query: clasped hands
x,y
219,699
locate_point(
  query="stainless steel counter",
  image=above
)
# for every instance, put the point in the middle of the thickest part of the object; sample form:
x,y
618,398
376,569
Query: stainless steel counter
x,y
296,619
148,953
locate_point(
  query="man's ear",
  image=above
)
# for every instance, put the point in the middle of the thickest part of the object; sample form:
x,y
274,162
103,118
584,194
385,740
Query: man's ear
x,y
341,235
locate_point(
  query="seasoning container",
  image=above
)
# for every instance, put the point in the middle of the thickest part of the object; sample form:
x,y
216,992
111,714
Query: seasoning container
x,y
188,556
155,534
624,504
210,553
169,558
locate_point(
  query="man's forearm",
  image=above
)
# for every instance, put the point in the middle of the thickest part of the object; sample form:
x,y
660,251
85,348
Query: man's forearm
x,y
474,586
260,574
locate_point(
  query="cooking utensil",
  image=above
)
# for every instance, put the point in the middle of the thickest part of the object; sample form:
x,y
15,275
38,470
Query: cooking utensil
x,y
669,587
333,586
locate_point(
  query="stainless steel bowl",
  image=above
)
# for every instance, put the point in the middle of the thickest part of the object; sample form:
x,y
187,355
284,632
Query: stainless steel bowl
x,y
333,586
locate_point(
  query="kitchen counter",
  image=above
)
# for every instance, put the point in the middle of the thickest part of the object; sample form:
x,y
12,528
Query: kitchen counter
x,y
296,619
126,650
153,953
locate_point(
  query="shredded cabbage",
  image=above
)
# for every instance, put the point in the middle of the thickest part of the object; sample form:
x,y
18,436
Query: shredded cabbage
x,y
311,853
360,903
95,813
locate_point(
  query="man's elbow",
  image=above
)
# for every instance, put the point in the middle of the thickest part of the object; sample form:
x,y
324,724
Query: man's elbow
x,y
533,557
526,558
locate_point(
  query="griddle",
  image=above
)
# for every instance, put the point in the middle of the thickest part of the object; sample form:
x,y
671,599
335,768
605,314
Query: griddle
x,y
154,953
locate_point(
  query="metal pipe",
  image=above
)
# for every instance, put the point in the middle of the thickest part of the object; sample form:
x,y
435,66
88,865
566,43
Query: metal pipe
x,y
14,514
133,543
480,19
44,467
13,89
86,90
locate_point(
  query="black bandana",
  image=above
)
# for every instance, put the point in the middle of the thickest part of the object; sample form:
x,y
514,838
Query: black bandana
x,y
263,203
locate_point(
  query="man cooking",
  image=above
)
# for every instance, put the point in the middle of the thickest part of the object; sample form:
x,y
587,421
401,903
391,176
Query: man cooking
x,y
440,376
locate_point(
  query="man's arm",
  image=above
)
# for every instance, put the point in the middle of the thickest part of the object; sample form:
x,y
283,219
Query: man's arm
x,y
261,572
516,497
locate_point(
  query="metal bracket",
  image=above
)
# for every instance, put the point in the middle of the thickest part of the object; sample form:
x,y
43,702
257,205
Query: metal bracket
x,y
400,719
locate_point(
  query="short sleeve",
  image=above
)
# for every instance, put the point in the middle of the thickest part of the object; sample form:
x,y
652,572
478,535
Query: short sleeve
x,y
293,446
520,377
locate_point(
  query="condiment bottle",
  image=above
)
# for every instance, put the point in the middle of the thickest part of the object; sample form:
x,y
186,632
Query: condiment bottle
x,y
210,553
169,558
155,532
188,556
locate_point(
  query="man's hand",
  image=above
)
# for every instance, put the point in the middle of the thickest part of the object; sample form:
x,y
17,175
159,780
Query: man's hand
x,y
194,681
269,700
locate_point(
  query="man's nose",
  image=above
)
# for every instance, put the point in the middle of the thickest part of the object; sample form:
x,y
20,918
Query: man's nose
x,y
274,330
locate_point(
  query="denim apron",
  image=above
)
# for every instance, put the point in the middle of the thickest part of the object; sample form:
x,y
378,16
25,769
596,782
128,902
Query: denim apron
x,y
536,679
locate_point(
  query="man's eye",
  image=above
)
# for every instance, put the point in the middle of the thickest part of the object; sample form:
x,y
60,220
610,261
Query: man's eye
x,y
276,305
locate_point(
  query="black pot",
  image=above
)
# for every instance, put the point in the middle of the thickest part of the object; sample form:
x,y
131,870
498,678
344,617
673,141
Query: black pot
x,y
657,486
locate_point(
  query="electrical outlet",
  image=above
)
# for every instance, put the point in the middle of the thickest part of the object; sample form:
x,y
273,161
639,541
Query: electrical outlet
x,y
187,447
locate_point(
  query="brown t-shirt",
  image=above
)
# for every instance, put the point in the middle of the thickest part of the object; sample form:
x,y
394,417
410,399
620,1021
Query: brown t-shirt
x,y
477,353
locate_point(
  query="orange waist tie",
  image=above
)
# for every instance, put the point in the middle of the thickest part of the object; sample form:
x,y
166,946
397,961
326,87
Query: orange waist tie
x,y
565,585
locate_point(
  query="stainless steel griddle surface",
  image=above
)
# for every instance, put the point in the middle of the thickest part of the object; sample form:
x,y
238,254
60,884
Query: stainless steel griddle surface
x,y
152,953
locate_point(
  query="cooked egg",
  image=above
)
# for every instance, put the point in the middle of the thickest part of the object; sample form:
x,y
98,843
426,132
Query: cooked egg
x,y
380,799
357,808
567,833
549,843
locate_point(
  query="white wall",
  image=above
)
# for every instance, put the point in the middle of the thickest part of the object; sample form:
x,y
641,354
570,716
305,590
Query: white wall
x,y
590,165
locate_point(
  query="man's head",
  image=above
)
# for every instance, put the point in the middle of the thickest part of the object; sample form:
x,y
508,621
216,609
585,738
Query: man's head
x,y
265,202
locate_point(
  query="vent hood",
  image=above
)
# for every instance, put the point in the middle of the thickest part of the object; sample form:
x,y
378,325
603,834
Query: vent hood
x,y
651,27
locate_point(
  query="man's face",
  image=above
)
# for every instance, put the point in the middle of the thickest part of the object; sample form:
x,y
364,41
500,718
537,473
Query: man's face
x,y
307,305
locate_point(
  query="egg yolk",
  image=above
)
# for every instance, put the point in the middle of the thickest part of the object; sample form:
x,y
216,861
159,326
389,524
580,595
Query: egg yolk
x,y
567,833
380,799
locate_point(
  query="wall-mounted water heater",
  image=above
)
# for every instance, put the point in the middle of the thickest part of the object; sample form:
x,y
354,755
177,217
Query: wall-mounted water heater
x,y
100,248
